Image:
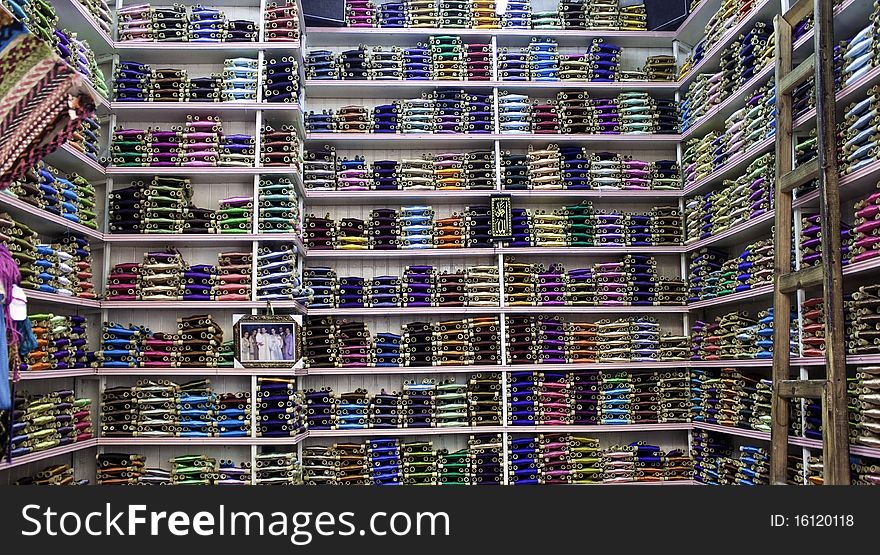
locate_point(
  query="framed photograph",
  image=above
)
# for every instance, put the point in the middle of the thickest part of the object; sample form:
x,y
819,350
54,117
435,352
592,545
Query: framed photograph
x,y
267,341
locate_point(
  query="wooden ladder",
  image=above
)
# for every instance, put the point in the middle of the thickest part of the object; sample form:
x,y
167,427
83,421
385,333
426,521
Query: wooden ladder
x,y
832,390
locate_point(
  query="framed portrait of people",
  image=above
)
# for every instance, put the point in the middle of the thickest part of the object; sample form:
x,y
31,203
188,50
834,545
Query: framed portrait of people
x,y
267,341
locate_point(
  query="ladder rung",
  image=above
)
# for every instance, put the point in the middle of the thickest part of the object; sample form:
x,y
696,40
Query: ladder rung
x,y
797,76
800,10
802,279
802,174
801,389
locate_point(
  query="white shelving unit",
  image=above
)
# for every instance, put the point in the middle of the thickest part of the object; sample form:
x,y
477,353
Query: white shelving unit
x,y
214,183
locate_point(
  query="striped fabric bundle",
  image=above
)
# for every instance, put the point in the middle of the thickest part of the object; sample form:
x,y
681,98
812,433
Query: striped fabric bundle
x,y
43,100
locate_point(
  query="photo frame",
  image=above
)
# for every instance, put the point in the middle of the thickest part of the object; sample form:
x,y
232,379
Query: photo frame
x,y
267,341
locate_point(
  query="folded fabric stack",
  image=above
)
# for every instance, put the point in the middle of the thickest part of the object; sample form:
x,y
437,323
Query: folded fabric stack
x,y
635,462
575,168
752,468
132,82
713,274
200,143
133,472
145,23
163,408
361,13
458,342
124,347
861,318
44,421
448,58
703,273
416,63
161,276
728,14
605,283
697,158
419,463
760,117
126,469
100,13
517,15
319,233
603,62
280,409
282,469
577,225
704,92
172,85
730,398
281,21
240,80
657,68
384,461
281,147
865,397
539,398
745,198
278,206
235,215
41,20
277,274
201,470
803,98
860,53
281,79
21,242
319,169
86,138
483,464
211,25
566,459
542,55
523,460
718,463
515,113
709,451
200,338
813,329
632,16
577,113
142,22
859,135
62,344
811,242
162,205
388,461
862,243
47,188
736,336
81,57
55,475
353,63
574,14
385,63
158,349
513,64
317,464
54,270
756,51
